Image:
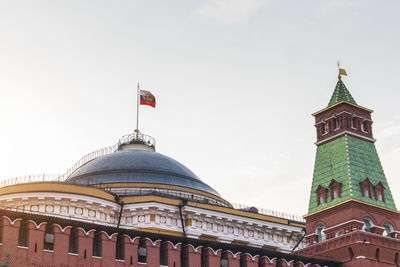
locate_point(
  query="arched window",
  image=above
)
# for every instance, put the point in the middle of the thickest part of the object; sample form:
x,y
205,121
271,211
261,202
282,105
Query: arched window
x,y
326,127
367,224
389,229
320,231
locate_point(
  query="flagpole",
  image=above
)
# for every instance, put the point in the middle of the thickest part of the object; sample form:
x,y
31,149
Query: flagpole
x,y
137,111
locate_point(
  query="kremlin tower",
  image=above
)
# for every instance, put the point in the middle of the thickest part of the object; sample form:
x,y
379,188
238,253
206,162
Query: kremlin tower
x,y
352,217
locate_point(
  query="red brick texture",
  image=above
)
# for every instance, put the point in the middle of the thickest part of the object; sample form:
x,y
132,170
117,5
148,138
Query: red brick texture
x,y
58,255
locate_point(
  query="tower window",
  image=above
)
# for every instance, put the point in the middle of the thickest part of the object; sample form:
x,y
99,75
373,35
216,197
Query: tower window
x,y
335,188
353,121
389,230
320,231
336,123
335,193
367,224
321,195
366,188
366,192
364,126
379,192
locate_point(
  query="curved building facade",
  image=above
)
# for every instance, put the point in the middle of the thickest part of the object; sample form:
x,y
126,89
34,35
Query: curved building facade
x,y
127,205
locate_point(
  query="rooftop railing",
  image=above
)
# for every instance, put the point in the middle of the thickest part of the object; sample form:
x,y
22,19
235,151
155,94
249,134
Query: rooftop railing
x,y
272,213
32,179
126,139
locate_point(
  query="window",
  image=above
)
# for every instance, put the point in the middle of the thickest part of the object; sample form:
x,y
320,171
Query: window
x,y
97,244
367,224
338,234
335,188
364,126
164,254
320,233
335,193
73,241
379,192
366,192
224,263
336,123
389,230
321,195
119,248
326,127
366,188
142,251
23,234
48,238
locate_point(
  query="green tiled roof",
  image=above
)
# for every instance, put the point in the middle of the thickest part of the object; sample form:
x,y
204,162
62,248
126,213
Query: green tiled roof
x,y
349,161
341,94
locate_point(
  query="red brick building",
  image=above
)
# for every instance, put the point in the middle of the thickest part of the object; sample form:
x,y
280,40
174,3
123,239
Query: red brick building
x,y
127,205
352,216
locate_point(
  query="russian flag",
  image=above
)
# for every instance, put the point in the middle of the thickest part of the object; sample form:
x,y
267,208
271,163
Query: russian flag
x,y
147,98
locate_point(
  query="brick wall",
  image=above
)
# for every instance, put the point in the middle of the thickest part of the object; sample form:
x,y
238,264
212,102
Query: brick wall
x,y
80,254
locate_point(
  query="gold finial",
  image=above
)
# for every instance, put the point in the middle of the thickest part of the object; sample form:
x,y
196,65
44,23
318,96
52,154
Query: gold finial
x,y
341,71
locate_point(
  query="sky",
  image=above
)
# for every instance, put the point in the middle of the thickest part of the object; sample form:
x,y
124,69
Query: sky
x,y
236,82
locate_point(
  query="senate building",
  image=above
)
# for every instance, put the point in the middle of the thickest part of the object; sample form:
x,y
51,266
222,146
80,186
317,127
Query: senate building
x,y
130,205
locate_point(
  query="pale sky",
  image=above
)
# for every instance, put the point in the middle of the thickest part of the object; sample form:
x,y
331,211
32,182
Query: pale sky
x,y
236,82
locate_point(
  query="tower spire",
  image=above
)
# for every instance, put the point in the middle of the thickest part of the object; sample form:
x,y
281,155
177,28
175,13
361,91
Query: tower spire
x,y
341,93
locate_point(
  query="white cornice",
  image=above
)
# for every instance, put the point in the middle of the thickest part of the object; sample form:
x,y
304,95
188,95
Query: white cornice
x,y
344,133
340,224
